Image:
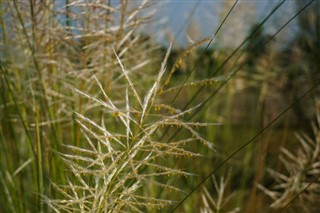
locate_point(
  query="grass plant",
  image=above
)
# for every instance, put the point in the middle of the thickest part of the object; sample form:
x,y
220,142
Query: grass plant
x,y
96,117
300,174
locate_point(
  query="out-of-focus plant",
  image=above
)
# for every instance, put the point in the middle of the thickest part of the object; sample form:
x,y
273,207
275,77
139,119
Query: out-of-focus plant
x,y
221,201
298,183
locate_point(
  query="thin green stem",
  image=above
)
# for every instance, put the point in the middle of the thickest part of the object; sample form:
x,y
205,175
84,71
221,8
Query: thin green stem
x,y
39,161
24,124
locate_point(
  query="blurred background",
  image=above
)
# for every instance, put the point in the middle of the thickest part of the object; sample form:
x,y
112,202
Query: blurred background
x,y
200,18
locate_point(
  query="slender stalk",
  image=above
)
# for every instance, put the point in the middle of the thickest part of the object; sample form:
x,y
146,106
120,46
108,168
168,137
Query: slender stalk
x,y
39,160
44,102
24,124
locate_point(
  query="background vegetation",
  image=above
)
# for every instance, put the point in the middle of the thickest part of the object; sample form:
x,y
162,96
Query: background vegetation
x,y
96,116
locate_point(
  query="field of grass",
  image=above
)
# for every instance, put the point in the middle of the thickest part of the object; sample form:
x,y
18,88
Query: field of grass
x,y
96,116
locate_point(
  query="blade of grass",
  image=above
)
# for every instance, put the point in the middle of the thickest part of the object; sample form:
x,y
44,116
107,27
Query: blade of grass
x,y
28,137
39,161
24,124
7,193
